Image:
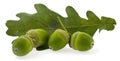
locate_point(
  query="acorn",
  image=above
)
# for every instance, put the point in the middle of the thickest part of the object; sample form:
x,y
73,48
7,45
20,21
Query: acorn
x,y
22,46
58,39
81,41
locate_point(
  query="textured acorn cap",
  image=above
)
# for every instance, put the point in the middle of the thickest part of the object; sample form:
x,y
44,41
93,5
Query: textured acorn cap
x,y
38,36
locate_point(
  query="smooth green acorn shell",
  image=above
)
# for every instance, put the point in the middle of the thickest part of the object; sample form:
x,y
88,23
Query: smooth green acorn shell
x,y
58,39
38,36
22,46
81,41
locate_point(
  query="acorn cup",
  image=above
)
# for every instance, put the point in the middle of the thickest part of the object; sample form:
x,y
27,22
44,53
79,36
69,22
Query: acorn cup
x,y
81,41
58,39
39,37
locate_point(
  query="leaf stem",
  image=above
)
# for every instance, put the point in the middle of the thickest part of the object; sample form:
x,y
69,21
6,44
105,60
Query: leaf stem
x,y
59,20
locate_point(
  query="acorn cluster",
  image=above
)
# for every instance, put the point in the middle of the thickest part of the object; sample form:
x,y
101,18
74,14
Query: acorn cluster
x,y
41,39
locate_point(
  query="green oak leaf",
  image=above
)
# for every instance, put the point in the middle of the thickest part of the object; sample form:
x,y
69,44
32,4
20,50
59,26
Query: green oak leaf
x,y
50,20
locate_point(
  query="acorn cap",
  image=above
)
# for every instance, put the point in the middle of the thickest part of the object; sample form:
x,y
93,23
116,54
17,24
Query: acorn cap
x,y
38,36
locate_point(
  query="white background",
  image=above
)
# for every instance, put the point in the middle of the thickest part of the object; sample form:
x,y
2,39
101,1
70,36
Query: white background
x,y
107,43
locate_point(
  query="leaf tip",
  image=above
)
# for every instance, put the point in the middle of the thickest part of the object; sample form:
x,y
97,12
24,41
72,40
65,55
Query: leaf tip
x,y
39,7
107,23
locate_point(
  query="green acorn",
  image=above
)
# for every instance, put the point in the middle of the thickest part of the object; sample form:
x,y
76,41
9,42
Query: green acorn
x,y
22,46
58,39
81,41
